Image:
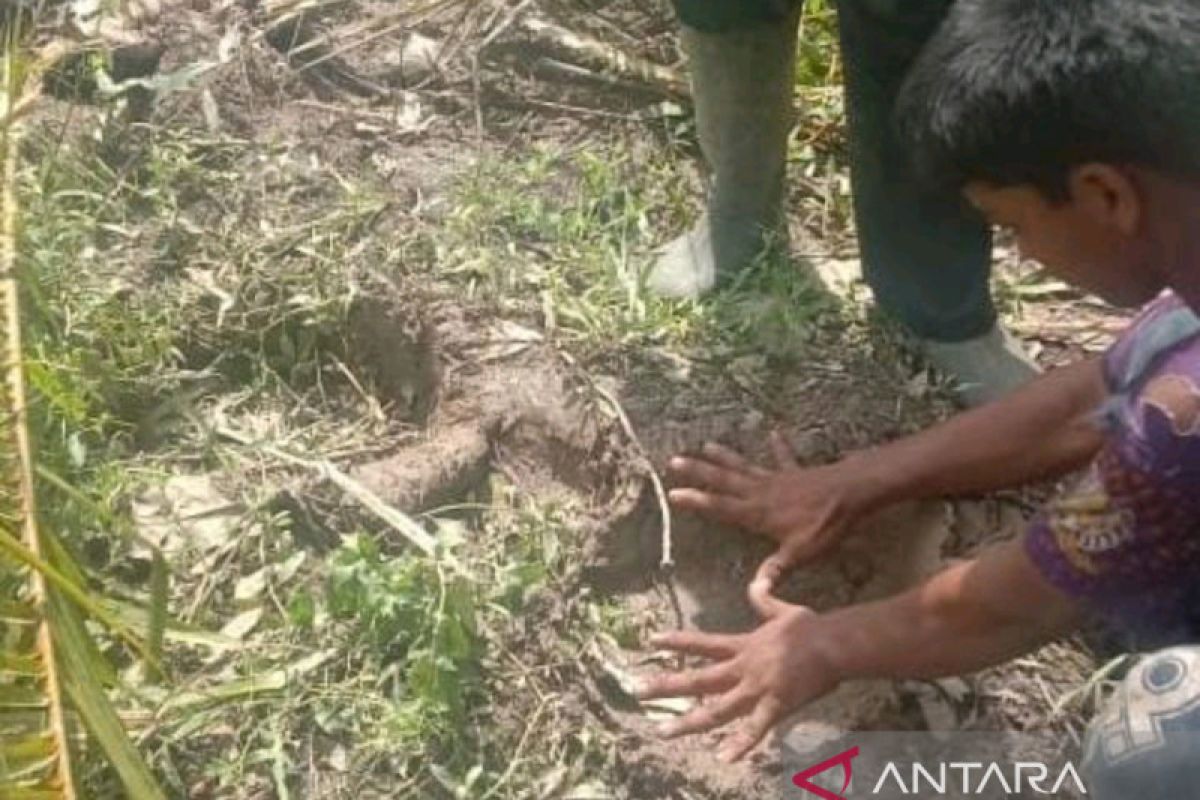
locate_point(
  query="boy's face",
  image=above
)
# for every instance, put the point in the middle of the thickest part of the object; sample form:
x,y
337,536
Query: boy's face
x,y
1097,239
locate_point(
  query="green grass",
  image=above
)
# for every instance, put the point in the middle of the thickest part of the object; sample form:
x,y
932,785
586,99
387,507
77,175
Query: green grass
x,y
153,311
141,315
181,285
567,238
818,63
569,233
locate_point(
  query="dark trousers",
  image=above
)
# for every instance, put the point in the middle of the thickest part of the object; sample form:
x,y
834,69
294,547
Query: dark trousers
x,y
926,255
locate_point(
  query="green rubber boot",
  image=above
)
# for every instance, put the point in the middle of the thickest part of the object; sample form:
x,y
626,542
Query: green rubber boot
x,y
985,368
743,87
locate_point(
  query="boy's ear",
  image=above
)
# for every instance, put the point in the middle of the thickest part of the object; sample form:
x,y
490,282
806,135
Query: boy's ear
x,y
1109,195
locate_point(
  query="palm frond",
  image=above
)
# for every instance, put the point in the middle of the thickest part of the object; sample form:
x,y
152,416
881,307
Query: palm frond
x,y
49,656
16,480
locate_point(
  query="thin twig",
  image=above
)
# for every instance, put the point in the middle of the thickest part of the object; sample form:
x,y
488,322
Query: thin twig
x,y
582,111
343,49
459,35
666,564
476,81
574,71
668,561
504,25
515,761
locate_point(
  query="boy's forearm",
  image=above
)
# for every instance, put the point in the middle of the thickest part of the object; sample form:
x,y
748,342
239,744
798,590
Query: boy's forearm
x,y
1043,430
968,617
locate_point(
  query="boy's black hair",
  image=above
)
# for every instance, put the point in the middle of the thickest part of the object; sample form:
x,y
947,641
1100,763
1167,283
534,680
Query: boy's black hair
x,y
1021,91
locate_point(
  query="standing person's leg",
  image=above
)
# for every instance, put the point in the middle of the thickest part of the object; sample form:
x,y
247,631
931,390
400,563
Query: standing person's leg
x,y
1145,743
927,257
742,57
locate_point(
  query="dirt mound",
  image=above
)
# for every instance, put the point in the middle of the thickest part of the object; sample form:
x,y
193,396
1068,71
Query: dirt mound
x,y
494,398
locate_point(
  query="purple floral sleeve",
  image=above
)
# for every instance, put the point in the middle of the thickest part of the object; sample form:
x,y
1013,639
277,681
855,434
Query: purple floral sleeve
x,y
1126,539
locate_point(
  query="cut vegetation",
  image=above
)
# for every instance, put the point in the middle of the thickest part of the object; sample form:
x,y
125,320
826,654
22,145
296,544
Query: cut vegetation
x,y
348,403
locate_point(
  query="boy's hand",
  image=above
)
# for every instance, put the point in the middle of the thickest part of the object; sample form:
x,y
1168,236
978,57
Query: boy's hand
x,y
805,510
764,675
970,615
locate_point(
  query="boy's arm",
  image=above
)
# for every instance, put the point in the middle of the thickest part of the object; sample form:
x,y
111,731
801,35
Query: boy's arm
x,y
1043,430
970,616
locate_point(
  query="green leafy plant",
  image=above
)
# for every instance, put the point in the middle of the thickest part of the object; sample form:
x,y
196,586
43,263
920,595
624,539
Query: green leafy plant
x,y
418,621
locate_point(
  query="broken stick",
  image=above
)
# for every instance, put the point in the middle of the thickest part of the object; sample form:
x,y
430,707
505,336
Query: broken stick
x,y
603,56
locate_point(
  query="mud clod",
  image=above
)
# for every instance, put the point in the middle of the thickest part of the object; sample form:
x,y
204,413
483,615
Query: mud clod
x,y
445,468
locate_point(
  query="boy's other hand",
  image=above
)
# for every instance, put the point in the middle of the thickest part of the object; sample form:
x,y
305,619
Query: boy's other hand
x,y
805,510
764,675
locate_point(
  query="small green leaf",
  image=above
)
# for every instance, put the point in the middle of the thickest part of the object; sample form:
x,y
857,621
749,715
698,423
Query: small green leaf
x,y
302,610
20,697
13,612
28,748
12,792
16,664
77,450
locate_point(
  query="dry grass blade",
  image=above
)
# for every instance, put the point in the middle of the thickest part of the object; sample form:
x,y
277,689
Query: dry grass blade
x,y
283,12
276,11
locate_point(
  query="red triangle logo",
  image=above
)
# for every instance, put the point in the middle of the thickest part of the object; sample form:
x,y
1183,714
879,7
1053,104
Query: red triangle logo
x,y
844,760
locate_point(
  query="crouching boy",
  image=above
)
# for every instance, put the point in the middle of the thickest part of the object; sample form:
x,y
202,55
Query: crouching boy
x,y
1075,125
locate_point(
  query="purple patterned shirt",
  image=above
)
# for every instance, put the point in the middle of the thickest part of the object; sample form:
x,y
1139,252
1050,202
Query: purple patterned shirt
x,y
1126,540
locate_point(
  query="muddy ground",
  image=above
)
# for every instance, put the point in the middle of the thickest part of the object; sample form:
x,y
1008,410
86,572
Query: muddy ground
x,y
467,390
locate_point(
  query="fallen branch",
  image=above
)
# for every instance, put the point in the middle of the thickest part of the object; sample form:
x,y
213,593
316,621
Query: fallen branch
x,y
605,57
